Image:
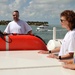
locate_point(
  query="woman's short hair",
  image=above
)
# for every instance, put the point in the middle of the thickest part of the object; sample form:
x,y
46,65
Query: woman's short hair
x,y
70,17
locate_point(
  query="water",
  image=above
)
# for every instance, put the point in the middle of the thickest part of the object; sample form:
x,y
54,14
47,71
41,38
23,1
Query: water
x,y
48,35
45,35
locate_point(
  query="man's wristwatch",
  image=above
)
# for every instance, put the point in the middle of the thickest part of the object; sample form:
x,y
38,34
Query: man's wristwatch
x,y
49,51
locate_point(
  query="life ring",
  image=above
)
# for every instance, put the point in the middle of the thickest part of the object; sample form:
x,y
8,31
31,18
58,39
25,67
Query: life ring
x,y
21,42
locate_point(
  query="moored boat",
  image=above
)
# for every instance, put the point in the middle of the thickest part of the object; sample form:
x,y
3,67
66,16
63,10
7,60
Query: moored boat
x,y
42,28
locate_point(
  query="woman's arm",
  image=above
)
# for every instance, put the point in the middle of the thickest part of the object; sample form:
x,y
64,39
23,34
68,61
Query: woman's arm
x,y
69,55
51,51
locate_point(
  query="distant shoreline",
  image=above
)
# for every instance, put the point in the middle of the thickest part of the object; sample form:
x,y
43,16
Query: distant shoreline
x,y
36,23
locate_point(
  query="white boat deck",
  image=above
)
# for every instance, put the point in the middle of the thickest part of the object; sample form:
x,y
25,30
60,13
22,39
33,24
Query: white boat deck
x,y
30,63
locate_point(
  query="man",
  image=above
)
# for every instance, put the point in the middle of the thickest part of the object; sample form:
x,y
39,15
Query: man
x,y
17,26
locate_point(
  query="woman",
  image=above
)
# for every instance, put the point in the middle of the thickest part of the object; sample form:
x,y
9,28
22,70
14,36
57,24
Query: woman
x,y
67,19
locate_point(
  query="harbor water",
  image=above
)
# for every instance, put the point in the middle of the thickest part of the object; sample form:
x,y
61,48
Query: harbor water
x,y
45,35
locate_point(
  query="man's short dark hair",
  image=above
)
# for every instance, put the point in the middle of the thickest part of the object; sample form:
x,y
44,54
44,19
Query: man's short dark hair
x,y
16,11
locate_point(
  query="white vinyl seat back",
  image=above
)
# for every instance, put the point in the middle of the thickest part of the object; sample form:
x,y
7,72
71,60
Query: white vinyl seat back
x,y
53,44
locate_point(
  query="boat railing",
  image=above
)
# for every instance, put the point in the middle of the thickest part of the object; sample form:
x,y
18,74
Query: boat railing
x,y
53,43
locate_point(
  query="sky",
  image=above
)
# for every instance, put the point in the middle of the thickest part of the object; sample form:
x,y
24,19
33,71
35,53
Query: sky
x,y
36,10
